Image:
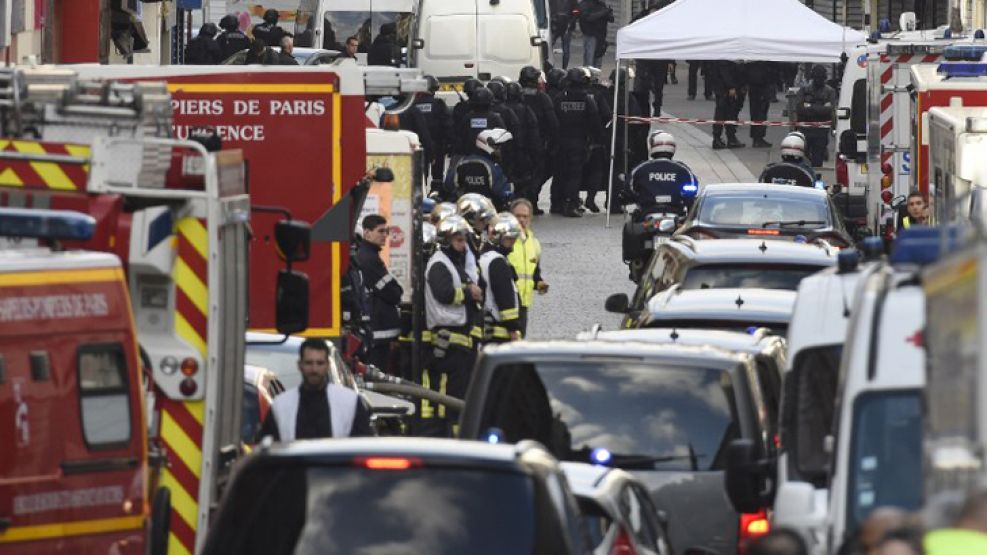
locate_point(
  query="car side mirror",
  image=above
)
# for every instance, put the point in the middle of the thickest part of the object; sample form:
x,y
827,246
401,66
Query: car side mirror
x,y
667,225
537,41
418,44
842,113
797,501
848,143
743,476
294,240
618,303
291,302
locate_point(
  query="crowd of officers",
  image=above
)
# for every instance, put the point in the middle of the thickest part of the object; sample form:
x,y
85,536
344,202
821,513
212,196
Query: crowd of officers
x,y
215,44
540,127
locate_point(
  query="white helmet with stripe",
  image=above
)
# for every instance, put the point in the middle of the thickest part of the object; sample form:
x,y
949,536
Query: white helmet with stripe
x,y
661,144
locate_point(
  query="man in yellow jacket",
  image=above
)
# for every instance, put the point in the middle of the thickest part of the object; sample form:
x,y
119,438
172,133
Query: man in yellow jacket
x,y
526,261
968,535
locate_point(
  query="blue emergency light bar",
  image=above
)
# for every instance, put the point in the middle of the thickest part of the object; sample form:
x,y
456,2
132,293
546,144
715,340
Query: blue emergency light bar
x,y
690,189
922,245
46,224
962,69
964,52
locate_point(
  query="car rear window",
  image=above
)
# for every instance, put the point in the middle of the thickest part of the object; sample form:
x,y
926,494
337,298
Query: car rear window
x,y
644,415
328,510
742,326
762,210
763,276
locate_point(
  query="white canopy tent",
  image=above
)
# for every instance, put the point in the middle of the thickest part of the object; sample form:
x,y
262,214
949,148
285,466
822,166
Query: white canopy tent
x,y
749,30
770,30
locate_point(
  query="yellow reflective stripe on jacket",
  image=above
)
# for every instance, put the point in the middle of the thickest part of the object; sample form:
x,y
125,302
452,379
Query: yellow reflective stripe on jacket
x,y
458,297
459,339
408,338
524,258
477,332
498,332
509,314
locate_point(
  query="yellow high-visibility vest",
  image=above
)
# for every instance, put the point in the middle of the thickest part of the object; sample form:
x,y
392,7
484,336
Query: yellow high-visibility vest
x,y
524,258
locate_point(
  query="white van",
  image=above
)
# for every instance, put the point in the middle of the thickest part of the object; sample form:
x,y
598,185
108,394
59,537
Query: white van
x,y
875,443
455,40
328,23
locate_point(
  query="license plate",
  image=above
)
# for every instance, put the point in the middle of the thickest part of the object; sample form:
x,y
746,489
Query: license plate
x,y
663,198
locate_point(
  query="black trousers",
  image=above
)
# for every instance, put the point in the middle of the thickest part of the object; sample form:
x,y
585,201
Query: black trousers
x,y
694,68
438,165
570,160
595,171
523,321
449,375
727,108
760,101
816,144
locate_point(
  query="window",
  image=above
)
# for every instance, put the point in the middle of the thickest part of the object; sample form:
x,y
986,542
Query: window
x,y
763,276
807,414
104,396
3,369
288,509
40,366
647,414
885,467
756,211
858,108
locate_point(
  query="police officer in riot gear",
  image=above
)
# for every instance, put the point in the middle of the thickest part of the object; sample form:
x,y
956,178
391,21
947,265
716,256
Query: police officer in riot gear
x,y
530,148
451,310
269,31
597,165
662,188
459,110
232,40
729,87
501,306
475,119
548,126
554,83
626,155
439,122
793,168
203,49
479,172
761,78
579,128
815,102
510,154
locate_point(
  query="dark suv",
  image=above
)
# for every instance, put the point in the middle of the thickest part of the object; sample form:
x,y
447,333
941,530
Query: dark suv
x,y
664,412
723,264
398,495
765,210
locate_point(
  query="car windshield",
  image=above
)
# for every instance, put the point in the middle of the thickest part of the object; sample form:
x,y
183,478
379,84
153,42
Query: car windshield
x,y
886,454
763,276
763,210
742,326
326,510
645,415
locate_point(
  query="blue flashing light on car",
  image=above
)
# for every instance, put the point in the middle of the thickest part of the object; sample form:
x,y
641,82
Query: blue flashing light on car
x,y
600,456
751,330
494,436
46,224
690,188
962,69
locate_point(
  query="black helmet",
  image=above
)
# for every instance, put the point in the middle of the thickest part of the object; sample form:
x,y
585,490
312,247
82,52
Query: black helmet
x,y
271,16
818,72
497,88
471,85
229,23
208,30
555,77
577,76
433,83
514,92
529,76
481,98
502,79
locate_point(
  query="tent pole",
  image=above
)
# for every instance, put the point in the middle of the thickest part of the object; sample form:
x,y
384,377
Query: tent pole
x,y
627,109
613,140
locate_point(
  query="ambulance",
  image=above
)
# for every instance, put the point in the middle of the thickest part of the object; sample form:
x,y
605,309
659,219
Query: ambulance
x,y
176,217
73,469
957,149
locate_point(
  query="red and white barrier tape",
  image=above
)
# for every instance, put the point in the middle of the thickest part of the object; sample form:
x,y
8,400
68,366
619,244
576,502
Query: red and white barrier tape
x,y
667,119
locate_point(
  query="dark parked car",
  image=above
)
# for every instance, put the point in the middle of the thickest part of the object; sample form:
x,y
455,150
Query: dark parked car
x,y
727,263
765,211
664,412
398,495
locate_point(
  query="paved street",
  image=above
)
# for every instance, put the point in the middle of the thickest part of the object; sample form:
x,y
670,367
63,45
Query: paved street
x,y
580,283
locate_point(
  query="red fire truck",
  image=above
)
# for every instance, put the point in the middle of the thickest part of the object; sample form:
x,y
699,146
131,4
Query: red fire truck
x,y
177,217
302,131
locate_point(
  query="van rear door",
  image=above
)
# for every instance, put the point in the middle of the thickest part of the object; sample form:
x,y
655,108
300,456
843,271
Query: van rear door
x,y
449,31
504,38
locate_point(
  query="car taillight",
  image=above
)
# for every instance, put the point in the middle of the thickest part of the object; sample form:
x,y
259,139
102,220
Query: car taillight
x,y
387,463
623,545
752,526
763,232
842,171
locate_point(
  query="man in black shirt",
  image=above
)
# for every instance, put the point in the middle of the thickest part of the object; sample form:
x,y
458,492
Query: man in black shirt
x,y
316,408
